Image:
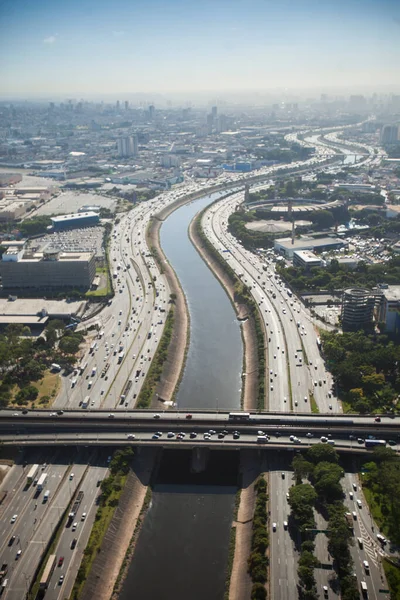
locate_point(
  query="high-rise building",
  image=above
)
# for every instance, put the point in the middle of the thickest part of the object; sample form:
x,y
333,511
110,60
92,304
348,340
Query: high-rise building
x,y
210,121
126,105
117,105
389,134
221,123
214,111
357,309
152,112
127,146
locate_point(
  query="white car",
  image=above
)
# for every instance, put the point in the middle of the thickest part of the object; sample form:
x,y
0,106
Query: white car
x,y
14,518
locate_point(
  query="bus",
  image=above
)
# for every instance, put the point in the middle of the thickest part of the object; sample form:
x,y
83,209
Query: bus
x,y
82,367
48,572
92,347
239,416
32,474
373,443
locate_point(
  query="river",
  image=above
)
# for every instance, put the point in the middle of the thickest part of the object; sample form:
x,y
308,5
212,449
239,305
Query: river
x,y
182,549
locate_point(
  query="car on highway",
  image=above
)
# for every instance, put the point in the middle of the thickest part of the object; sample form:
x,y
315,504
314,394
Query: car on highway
x,y
71,476
60,561
83,517
366,566
11,540
18,554
14,518
60,581
74,526
273,526
73,543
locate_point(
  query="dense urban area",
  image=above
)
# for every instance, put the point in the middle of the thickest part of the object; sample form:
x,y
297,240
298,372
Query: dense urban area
x,y
199,349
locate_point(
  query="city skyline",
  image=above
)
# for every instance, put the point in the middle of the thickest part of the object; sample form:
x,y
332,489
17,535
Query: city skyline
x,y
92,48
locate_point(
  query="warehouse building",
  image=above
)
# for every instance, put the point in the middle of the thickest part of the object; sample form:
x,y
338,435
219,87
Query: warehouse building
x,y
83,219
47,270
287,246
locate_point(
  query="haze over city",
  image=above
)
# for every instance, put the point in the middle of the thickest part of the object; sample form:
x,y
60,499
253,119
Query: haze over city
x,y
92,48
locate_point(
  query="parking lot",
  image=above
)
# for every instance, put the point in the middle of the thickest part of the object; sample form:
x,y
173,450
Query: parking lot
x,y
85,239
70,202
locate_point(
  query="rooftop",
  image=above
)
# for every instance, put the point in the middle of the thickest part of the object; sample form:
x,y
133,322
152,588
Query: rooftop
x,y
73,216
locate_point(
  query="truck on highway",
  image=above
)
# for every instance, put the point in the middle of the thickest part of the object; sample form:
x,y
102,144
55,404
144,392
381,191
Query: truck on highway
x,y
82,367
32,474
121,357
104,371
364,589
349,520
74,508
3,571
92,347
374,443
86,401
48,572
41,482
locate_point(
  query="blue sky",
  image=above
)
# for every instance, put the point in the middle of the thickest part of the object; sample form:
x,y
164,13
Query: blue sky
x,y
91,47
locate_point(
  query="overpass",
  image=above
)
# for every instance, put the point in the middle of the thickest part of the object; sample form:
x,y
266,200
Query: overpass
x,y
189,430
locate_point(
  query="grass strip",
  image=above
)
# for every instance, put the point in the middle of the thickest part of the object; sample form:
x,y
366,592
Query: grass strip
x,y
112,488
258,561
392,574
313,403
155,371
231,556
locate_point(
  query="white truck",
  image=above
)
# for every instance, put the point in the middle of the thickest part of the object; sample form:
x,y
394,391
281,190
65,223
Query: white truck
x,y
41,482
86,401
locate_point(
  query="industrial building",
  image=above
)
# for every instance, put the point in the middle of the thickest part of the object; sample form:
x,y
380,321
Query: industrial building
x,y
287,246
84,219
46,270
306,259
357,309
389,308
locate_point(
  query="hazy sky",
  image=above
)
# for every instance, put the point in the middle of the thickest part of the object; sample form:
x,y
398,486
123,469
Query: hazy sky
x,y
86,47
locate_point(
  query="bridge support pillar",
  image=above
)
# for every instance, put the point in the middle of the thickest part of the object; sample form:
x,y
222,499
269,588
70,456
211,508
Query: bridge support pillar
x,y
199,459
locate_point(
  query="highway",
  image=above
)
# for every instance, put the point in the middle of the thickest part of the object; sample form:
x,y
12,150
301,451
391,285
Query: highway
x,y
113,368
24,541
296,375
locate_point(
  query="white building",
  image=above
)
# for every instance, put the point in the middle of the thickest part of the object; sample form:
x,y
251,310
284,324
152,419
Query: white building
x,y
306,259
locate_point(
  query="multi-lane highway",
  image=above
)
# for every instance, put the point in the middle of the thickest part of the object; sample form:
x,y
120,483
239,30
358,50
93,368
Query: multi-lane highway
x,y
111,373
30,516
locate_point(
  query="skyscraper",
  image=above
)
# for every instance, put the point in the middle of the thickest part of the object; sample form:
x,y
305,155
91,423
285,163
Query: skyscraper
x,y
152,112
126,104
127,146
389,134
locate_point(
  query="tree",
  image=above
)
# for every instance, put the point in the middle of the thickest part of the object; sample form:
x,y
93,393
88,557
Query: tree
x,y
322,453
258,591
301,467
69,344
326,477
